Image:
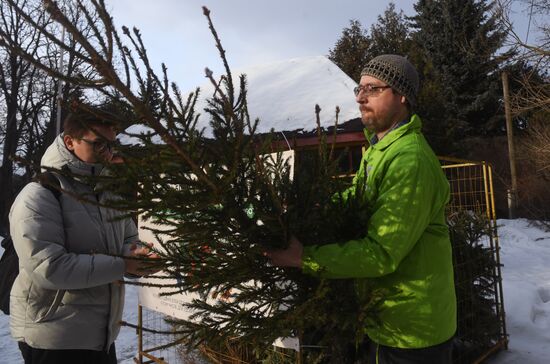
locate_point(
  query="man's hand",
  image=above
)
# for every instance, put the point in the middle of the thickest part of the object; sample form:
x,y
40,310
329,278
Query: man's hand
x,y
290,257
141,267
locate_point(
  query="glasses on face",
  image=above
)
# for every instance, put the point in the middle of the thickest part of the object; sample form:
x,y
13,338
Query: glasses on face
x,y
101,146
369,89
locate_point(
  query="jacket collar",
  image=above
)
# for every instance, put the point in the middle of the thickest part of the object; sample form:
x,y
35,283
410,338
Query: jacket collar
x,y
413,125
57,156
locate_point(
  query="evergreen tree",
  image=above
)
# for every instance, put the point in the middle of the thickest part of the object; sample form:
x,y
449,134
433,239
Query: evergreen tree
x,y
460,40
351,51
222,200
390,35
431,101
479,320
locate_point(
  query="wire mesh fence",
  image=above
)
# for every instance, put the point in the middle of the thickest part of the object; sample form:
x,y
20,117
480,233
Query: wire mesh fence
x,y
155,343
478,279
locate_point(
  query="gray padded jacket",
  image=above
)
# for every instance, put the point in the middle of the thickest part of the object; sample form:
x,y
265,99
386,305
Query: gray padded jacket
x,y
67,294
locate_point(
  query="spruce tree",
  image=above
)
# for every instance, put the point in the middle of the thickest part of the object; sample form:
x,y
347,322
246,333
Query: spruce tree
x,y
356,46
390,34
476,283
460,41
221,199
351,51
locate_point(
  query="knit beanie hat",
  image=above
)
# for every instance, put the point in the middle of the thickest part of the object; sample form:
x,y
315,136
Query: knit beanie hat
x,y
397,72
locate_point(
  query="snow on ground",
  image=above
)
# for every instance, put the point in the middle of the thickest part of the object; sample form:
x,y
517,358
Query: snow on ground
x,y
127,341
525,254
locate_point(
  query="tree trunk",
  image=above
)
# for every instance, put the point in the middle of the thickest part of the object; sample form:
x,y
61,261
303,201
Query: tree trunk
x,y
6,170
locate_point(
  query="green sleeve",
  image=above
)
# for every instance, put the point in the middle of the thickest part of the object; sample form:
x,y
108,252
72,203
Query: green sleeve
x,y
402,210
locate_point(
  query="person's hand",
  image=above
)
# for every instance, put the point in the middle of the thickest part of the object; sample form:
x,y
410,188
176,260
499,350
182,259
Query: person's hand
x,y
289,257
141,266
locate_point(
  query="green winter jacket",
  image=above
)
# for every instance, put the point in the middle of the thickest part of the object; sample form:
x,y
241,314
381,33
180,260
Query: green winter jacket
x,y
406,247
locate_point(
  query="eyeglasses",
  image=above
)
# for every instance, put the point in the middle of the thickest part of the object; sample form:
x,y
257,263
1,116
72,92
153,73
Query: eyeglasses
x,y
101,146
370,90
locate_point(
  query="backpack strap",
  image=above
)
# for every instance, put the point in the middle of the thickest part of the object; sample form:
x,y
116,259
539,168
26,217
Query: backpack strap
x,y
49,181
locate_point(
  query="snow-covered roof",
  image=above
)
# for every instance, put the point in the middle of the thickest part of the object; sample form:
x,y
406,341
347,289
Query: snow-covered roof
x,y
283,95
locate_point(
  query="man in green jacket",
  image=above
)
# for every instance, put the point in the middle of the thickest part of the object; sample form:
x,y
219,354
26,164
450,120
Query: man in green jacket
x,y
407,246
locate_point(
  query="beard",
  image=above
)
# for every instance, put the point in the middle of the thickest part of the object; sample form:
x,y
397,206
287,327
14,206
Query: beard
x,y
377,123
368,119
368,124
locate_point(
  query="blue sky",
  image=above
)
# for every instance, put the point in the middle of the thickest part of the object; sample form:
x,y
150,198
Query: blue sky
x,y
253,32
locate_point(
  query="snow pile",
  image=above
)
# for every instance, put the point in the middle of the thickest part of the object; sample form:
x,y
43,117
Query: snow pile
x,y
525,254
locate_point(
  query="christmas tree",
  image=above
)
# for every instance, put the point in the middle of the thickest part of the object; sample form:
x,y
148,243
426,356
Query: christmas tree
x,y
223,198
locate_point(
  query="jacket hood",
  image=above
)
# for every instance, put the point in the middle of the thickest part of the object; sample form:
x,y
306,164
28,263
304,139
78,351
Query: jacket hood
x,y
57,156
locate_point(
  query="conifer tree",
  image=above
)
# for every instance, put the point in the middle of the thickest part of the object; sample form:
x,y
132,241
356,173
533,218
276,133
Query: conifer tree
x,y
479,319
351,51
356,46
221,198
390,34
460,41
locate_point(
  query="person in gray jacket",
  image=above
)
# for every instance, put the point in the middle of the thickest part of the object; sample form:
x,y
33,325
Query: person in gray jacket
x,y
67,301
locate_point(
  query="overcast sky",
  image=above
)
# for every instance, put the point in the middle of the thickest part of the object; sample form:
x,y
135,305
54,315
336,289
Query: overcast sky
x,y
252,32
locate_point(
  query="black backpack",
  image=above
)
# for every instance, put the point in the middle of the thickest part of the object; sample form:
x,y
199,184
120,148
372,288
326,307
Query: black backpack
x,y
9,263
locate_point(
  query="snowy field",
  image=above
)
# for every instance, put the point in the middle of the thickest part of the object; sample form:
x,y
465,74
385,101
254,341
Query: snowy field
x,y
525,253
